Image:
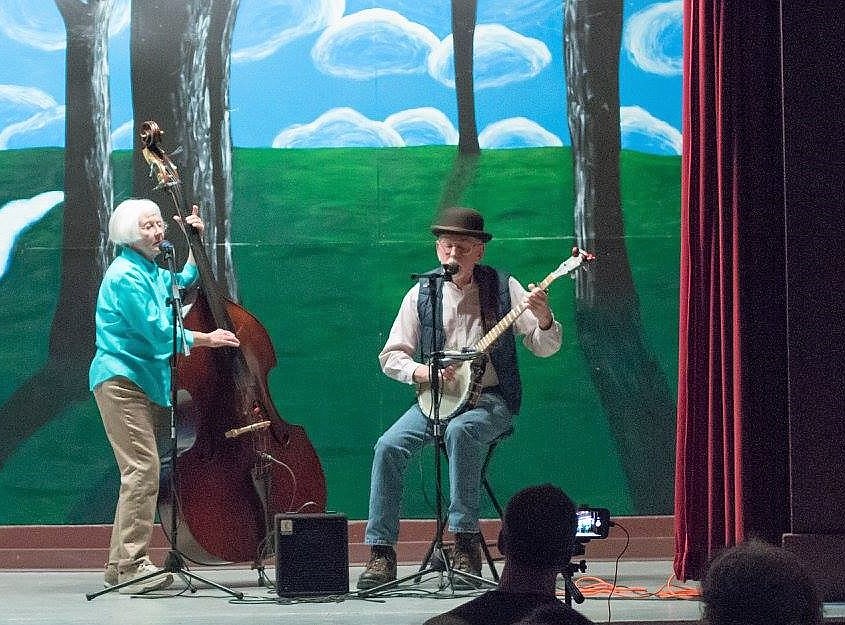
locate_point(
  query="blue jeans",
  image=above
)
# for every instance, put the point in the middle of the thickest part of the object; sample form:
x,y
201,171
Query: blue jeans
x,y
467,438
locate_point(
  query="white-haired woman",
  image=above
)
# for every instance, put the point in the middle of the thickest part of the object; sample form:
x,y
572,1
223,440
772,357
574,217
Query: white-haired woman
x,y
130,377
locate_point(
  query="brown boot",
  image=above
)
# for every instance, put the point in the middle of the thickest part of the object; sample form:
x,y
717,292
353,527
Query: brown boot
x,y
466,559
381,569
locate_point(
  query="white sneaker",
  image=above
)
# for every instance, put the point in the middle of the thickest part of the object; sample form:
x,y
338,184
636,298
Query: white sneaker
x,y
110,576
158,582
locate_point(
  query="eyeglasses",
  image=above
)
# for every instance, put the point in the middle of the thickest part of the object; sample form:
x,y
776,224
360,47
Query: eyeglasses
x,y
461,249
151,225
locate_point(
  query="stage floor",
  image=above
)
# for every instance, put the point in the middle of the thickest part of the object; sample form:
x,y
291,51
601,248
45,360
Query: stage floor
x,y
60,598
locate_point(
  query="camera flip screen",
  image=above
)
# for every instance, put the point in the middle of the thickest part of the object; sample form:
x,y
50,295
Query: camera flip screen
x,y
593,523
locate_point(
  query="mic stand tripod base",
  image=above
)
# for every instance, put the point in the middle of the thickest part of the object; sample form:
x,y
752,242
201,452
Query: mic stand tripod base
x,y
438,560
131,582
438,563
393,584
173,564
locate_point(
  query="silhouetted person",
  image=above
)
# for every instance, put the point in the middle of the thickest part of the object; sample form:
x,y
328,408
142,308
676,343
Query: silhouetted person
x,y
537,539
755,583
551,614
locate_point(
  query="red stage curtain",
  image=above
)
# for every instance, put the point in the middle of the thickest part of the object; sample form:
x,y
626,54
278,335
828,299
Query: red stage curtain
x,y
731,458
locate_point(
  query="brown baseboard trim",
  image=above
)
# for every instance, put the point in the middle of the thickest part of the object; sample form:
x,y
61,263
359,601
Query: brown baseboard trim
x,y
86,546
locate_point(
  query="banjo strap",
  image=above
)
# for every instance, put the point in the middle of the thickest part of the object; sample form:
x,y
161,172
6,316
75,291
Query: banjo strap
x,y
488,296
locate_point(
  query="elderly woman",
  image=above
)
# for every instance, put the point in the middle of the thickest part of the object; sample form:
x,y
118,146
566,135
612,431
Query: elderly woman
x,y
130,378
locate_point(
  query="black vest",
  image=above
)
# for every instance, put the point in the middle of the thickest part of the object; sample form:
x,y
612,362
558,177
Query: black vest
x,y
493,285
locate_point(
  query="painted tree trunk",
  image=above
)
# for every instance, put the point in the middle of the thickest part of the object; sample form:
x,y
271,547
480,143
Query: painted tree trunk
x,y
463,31
633,389
87,206
180,81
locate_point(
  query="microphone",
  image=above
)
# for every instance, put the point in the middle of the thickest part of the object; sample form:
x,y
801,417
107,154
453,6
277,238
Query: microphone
x,y
166,247
449,269
452,357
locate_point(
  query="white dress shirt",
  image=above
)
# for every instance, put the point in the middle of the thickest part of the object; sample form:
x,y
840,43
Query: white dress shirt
x,y
462,327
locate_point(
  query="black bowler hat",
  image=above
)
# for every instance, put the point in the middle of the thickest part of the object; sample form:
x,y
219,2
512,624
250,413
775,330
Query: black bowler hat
x,y
461,221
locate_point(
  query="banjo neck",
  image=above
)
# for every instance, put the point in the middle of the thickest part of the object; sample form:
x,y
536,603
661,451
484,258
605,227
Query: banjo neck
x,y
505,322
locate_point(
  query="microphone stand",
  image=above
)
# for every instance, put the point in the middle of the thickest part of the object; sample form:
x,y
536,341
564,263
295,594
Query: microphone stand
x,y
174,561
442,564
436,559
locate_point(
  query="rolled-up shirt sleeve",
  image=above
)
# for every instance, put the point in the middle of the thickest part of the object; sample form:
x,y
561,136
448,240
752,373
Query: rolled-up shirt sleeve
x,y
397,356
541,343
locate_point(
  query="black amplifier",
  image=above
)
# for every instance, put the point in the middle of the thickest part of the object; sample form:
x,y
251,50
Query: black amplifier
x,y
312,554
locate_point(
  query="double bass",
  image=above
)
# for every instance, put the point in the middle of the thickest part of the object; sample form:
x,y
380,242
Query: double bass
x,y
239,462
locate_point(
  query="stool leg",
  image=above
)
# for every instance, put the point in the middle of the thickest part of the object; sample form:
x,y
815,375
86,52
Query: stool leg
x,y
489,557
486,483
492,496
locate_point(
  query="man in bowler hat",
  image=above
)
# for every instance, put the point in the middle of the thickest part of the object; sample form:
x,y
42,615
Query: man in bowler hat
x,y
472,299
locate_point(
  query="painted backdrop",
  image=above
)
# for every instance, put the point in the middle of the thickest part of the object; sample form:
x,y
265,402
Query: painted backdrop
x,y
320,138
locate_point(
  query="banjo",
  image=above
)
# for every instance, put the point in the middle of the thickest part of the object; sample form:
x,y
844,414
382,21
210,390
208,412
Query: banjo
x,y
463,392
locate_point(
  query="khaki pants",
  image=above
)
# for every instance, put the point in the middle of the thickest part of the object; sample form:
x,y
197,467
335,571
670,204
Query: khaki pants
x,y
135,427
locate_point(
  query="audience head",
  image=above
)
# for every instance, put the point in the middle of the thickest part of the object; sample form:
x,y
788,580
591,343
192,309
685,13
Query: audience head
x,y
538,527
755,583
549,614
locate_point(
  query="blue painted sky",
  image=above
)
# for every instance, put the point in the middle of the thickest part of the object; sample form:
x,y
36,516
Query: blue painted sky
x,y
353,73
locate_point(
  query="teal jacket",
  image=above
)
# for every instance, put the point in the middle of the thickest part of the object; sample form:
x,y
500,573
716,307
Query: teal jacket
x,y
134,322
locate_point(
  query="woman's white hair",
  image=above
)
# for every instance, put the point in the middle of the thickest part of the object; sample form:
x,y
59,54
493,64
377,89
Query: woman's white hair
x,y
124,228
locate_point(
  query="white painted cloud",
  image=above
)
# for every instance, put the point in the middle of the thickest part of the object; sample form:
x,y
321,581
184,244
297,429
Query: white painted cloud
x,y
501,56
652,38
39,24
24,110
26,96
122,137
31,124
18,215
517,14
423,126
517,132
264,26
373,42
339,127
661,136
519,11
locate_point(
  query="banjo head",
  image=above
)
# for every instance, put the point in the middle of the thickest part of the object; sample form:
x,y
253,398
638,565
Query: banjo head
x,y
453,394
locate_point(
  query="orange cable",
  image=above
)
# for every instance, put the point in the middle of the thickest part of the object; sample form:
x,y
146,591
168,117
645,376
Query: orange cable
x,y
595,586
591,586
669,590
